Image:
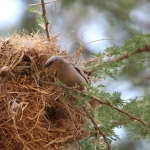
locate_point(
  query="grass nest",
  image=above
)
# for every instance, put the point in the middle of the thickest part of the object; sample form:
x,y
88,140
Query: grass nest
x,y
34,116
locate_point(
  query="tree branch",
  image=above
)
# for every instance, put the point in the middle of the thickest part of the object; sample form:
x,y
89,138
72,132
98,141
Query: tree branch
x,y
45,19
127,55
99,130
124,56
122,111
58,85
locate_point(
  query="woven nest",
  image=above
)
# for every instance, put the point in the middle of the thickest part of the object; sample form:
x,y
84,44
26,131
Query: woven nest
x,y
34,116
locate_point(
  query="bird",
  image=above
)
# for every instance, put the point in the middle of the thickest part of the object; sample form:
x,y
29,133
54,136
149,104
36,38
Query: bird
x,y
70,74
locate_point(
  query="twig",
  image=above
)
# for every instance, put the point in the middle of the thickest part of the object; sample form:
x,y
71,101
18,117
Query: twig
x,y
99,130
40,3
125,56
97,41
61,85
45,19
53,16
122,111
99,101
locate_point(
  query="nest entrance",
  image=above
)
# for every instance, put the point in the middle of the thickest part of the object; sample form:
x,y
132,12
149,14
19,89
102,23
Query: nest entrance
x,y
34,116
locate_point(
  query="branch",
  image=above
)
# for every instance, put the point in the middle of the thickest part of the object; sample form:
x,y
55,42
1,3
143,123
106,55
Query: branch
x,y
122,111
124,56
127,55
45,19
40,3
58,85
97,128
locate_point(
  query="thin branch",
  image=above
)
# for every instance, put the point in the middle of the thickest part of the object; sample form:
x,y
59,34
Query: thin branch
x,y
139,50
44,3
97,41
122,111
125,56
53,16
61,85
118,123
99,130
45,19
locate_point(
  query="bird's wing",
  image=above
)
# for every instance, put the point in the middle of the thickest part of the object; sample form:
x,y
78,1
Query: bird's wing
x,y
80,72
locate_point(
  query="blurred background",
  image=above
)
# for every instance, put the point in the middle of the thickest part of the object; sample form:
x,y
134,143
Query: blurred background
x,y
98,21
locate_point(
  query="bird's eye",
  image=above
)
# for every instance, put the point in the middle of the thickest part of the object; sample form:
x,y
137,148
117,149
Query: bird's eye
x,y
51,63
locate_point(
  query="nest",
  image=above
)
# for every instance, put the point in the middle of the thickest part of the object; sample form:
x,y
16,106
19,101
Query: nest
x,y
34,116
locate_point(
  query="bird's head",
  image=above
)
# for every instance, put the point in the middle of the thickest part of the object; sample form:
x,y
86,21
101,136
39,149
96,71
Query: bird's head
x,y
54,61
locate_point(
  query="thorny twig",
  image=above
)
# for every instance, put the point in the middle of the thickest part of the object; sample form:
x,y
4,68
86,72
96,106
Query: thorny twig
x,y
98,129
123,112
45,19
124,56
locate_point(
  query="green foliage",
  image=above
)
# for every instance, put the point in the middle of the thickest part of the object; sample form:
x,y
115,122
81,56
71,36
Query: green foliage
x,y
125,59
34,9
140,108
41,19
108,118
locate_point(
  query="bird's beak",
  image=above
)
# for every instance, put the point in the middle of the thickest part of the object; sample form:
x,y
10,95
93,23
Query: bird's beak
x,y
48,64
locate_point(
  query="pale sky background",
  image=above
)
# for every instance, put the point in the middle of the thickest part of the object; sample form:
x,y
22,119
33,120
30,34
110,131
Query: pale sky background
x,y
10,12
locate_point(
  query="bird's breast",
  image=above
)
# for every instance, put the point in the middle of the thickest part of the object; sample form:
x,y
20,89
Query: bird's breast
x,y
71,77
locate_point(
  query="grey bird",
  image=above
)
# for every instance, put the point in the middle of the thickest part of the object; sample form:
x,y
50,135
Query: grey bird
x,y
70,74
